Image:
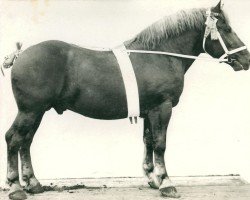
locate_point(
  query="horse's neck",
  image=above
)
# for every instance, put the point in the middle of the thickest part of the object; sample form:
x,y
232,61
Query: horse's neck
x,y
188,43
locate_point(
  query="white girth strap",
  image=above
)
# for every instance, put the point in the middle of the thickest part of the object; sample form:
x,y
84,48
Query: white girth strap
x,y
130,82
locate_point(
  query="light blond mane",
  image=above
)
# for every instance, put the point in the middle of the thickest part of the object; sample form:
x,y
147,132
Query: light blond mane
x,y
171,26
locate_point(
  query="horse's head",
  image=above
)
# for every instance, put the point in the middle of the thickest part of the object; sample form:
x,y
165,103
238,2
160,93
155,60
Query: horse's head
x,y
224,42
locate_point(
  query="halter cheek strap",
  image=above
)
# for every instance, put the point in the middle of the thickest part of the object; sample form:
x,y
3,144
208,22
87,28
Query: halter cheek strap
x,y
211,29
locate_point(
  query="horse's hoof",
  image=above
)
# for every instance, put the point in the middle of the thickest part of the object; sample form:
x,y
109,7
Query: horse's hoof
x,y
35,189
153,185
18,195
154,181
170,192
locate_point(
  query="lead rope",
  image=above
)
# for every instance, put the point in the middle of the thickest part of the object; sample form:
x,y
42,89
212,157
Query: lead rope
x,y
176,55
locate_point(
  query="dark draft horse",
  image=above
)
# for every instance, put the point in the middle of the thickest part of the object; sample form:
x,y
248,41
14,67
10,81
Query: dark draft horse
x,y
55,74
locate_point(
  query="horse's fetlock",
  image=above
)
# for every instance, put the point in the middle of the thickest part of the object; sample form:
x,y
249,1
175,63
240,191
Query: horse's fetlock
x,y
160,171
12,178
25,178
148,167
164,175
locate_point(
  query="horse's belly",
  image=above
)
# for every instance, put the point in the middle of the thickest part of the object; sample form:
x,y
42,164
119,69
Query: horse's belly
x,y
100,107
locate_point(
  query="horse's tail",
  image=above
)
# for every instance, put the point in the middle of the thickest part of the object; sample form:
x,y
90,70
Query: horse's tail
x,y
10,59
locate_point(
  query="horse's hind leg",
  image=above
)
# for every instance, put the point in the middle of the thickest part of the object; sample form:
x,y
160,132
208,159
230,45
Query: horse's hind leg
x,y
15,137
32,184
159,118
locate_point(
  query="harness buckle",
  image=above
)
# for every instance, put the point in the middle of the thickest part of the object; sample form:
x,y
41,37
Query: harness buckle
x,y
230,60
133,120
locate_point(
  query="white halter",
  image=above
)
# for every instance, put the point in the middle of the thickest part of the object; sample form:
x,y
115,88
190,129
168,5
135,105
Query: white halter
x,y
211,29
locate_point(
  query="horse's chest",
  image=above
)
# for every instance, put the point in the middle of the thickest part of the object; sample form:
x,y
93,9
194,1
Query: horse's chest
x,y
158,86
172,87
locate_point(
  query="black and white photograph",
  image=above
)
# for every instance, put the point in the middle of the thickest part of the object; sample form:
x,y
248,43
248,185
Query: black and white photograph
x,y
123,100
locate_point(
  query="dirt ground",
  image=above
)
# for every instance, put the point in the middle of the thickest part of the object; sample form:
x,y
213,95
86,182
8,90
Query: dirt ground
x,y
190,188
145,193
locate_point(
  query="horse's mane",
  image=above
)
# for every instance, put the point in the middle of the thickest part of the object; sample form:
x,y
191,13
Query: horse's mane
x,y
171,26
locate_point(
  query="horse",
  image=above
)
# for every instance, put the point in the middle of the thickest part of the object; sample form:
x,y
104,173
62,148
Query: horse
x,y
59,75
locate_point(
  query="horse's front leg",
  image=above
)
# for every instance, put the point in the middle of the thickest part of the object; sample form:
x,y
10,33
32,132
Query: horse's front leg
x,y
148,165
159,118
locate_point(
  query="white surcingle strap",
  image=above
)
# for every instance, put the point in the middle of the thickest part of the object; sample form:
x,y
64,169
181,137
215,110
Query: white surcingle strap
x,y
130,82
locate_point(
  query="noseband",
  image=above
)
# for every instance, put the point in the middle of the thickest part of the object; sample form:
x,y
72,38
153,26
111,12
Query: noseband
x,y
211,29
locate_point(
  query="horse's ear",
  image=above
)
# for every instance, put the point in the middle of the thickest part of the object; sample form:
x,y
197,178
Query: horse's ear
x,y
218,8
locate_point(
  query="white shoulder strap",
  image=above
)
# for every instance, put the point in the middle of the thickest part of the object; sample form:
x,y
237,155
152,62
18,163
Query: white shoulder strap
x,y
129,80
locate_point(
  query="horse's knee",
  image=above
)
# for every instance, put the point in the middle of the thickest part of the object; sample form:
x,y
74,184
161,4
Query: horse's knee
x,y
160,147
